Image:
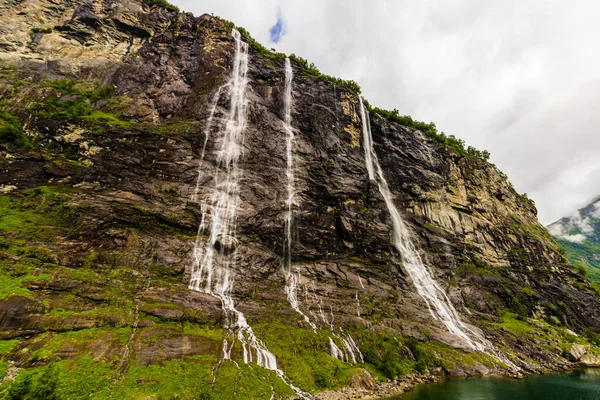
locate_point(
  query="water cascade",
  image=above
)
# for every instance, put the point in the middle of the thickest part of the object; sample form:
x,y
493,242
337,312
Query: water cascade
x,y
352,352
213,107
335,351
291,279
214,249
437,302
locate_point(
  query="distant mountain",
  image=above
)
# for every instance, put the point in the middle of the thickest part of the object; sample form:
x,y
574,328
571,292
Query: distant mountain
x,y
579,235
186,214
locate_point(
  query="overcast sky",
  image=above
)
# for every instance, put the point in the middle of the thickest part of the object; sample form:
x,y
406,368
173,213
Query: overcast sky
x,y
520,78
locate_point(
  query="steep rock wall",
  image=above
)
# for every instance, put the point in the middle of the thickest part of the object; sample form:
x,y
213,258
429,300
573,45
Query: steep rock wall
x,y
101,249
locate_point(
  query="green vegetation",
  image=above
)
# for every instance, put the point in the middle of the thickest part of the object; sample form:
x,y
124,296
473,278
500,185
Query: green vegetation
x,y
173,128
483,154
515,324
40,30
584,256
526,198
77,104
259,48
530,229
13,286
302,355
11,131
89,94
312,70
393,355
79,378
188,378
35,211
163,3
389,356
430,130
6,346
34,214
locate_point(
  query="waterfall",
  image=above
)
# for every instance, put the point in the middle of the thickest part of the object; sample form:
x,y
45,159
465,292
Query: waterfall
x,y
291,279
214,250
437,301
335,351
213,107
352,352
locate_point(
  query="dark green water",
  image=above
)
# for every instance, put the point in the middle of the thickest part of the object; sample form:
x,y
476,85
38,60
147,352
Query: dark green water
x,y
577,385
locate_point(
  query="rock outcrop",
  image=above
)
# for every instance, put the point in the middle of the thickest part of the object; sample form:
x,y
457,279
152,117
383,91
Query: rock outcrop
x,y
103,114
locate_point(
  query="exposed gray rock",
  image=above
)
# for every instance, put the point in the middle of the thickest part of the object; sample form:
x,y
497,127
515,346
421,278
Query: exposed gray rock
x,y
576,351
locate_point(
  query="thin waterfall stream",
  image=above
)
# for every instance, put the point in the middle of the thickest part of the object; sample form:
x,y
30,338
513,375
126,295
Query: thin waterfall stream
x,y
215,247
291,278
435,297
351,351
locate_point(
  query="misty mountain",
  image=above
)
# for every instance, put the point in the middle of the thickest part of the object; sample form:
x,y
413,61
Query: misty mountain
x,y
579,235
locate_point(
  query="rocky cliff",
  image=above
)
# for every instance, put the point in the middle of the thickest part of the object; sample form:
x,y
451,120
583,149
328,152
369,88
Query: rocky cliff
x,y
104,110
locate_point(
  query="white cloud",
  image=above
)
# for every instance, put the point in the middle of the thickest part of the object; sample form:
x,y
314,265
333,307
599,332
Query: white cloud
x,y
519,79
558,230
580,222
574,238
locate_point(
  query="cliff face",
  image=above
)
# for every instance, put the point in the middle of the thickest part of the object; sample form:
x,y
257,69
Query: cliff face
x,y
103,111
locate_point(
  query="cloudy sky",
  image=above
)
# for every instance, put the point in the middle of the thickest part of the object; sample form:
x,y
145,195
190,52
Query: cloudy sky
x,y
518,78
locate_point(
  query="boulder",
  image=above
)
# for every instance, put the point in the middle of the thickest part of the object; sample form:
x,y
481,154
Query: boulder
x,y
590,360
362,380
575,352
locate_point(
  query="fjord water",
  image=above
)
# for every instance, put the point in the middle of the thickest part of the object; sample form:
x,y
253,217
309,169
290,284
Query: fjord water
x,y
577,385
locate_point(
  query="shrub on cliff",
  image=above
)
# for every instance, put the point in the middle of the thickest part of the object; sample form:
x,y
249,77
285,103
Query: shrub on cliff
x,y
11,131
163,3
312,70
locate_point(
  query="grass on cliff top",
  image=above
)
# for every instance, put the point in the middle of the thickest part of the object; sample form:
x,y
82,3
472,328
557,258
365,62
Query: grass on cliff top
x,y
163,3
430,130
450,141
308,68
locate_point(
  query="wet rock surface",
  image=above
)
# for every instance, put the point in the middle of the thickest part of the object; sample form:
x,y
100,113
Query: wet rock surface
x,y
118,253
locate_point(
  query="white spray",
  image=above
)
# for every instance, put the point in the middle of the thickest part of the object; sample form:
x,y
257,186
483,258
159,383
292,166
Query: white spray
x,y
352,352
291,279
435,298
214,253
